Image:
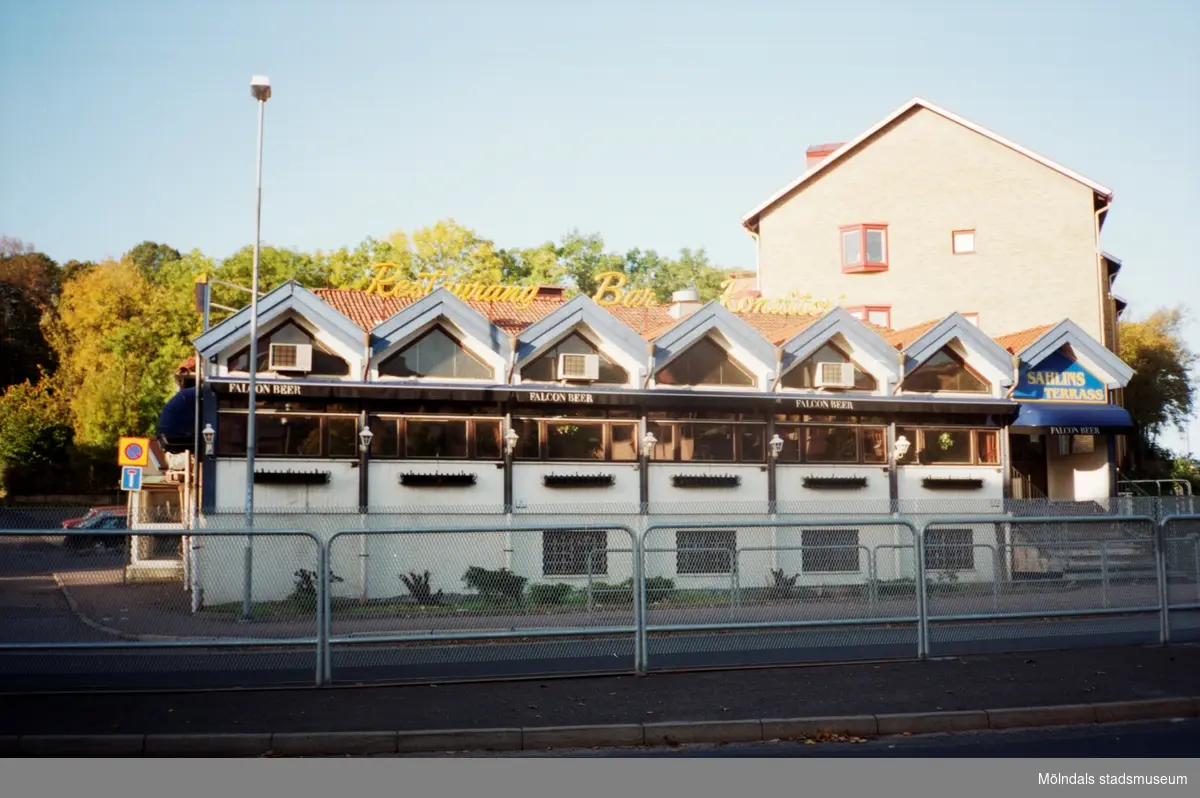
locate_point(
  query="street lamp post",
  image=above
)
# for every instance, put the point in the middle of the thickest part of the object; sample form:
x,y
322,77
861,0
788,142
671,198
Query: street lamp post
x,y
260,89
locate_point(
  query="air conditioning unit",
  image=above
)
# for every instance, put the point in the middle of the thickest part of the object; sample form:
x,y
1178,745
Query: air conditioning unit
x,y
290,357
578,367
835,375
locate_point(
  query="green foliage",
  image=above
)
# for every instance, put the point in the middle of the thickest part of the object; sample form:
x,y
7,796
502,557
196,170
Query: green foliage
x,y
304,594
658,588
501,585
418,588
34,425
153,261
555,593
1162,390
29,286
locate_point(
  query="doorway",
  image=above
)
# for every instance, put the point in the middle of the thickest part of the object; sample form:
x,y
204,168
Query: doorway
x,y
1030,474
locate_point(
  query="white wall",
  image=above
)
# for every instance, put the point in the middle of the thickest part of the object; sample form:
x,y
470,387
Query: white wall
x,y
1081,477
531,496
748,497
340,492
386,494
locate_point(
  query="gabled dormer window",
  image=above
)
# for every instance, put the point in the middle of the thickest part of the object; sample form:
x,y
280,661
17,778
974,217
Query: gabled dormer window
x,y
807,375
544,368
324,362
864,248
436,353
945,371
705,363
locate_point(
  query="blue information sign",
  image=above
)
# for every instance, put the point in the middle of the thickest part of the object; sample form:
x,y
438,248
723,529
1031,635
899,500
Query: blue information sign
x,y
1059,378
131,478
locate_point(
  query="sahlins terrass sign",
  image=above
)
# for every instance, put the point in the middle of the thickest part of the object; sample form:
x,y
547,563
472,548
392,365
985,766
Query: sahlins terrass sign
x,y
392,280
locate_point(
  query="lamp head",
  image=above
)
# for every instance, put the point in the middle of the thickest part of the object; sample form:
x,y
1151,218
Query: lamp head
x,y
776,445
260,88
648,444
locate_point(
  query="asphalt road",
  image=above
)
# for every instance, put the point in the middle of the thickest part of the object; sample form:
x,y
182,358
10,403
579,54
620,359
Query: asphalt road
x,y
153,668
1177,739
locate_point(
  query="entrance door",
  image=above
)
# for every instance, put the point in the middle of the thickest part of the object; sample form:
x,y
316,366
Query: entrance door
x,y
1029,469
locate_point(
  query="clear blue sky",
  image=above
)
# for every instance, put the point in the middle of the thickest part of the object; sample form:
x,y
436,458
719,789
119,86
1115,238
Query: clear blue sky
x,y
655,124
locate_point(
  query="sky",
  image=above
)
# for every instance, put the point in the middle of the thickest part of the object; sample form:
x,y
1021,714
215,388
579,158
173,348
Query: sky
x,y
657,125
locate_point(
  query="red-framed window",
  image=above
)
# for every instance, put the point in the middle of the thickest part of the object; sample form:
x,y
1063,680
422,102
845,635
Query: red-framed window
x,y
880,315
864,248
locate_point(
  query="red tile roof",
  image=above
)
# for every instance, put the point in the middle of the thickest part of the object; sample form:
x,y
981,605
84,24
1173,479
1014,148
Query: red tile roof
x,y
1015,342
901,339
368,310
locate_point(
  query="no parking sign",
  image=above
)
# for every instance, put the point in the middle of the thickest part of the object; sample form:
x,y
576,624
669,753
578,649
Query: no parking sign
x,y
133,452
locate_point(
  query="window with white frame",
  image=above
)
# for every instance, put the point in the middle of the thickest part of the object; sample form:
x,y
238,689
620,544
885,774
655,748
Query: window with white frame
x,y
962,242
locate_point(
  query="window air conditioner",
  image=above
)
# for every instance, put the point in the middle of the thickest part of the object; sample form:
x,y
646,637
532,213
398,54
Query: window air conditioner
x,y
290,357
835,375
578,367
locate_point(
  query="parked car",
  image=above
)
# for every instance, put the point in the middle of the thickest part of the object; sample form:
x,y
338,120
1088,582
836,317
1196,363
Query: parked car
x,y
100,519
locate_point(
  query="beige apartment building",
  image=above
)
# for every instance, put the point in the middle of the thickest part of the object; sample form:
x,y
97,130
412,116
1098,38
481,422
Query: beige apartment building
x,y
927,213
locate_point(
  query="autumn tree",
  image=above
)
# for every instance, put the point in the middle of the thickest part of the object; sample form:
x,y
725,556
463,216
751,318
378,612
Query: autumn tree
x,y
29,286
1162,390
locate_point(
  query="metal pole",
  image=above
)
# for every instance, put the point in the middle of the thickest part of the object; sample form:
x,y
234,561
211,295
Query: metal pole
x,y
248,579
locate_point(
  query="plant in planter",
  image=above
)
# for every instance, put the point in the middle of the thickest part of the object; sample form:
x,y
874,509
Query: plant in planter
x,y
418,588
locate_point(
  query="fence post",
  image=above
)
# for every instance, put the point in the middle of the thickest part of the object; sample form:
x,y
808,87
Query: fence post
x,y
995,578
1164,591
640,657
1104,572
589,581
733,574
326,630
922,591
1196,559
872,582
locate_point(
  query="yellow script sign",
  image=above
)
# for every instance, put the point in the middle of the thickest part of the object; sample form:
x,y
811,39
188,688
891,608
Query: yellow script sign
x,y
611,291
791,304
391,280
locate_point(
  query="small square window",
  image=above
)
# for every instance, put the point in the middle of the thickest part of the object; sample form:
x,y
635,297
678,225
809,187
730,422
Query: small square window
x,y
963,242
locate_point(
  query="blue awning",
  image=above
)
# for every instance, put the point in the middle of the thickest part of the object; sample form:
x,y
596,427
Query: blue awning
x,y
1073,419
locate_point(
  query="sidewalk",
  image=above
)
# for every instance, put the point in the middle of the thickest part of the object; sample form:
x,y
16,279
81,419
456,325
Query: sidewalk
x,y
975,683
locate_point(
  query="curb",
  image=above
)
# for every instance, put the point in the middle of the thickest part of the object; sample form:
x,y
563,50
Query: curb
x,y
535,738
82,616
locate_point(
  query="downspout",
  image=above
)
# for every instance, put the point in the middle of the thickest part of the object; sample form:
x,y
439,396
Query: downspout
x,y
1101,277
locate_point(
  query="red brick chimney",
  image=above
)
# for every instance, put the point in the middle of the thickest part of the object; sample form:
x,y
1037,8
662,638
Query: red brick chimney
x,y
819,152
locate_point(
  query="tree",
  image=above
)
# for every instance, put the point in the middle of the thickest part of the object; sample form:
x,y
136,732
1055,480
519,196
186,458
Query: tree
x,y
119,339
29,286
275,267
1162,390
153,260
35,426
582,257
533,266
458,251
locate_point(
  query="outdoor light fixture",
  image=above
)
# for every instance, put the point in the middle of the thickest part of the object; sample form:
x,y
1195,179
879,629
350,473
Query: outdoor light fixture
x,y
776,445
209,433
648,444
260,88
901,448
364,438
510,441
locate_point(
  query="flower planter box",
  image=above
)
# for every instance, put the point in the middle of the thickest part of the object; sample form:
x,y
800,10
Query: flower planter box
x,y
706,480
952,483
835,483
415,480
291,477
578,480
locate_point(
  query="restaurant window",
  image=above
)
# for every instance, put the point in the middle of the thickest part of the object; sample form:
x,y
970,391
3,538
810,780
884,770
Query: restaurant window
x,y
708,441
949,550
804,375
436,353
950,446
705,551
435,438
572,439
570,553
544,368
864,248
704,363
829,551
288,435
324,362
945,371
832,444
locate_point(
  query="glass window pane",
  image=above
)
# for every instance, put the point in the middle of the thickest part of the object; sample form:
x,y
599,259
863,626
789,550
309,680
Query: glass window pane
x,y
946,446
944,372
574,441
665,434
851,248
988,447
386,441
949,550
829,550
874,445
706,442
288,435
704,363
876,250
545,367
435,438
791,443
964,241
624,442
343,437
231,434
574,553
830,445
528,447
436,354
752,440
487,440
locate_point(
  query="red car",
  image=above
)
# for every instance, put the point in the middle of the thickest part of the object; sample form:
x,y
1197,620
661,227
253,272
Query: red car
x,y
101,519
114,509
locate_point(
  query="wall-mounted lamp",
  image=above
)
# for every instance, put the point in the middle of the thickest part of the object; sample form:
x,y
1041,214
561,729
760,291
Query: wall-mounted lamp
x,y
209,434
648,444
776,445
510,441
901,447
364,439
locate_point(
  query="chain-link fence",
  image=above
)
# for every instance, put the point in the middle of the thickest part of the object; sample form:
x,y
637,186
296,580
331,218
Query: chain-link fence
x,y
95,599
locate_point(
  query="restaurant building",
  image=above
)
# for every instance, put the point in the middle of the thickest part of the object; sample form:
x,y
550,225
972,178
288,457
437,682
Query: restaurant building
x,y
420,397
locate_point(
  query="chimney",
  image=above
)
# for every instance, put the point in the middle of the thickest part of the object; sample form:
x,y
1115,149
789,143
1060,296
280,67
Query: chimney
x,y
684,302
819,152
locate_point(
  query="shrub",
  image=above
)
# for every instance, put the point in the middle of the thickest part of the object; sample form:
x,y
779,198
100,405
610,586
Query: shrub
x,y
549,594
418,588
657,589
503,584
782,585
304,594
